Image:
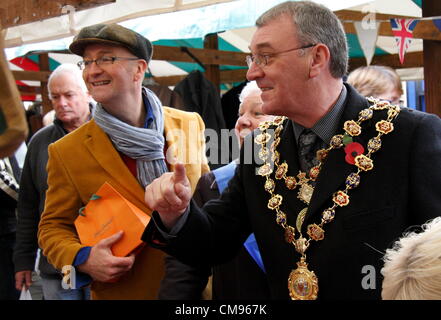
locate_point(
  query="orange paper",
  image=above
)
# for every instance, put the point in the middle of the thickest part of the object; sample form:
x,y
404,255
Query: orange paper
x,y
109,213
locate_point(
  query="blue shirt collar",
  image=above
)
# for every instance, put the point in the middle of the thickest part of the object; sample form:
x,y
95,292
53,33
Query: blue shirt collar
x,y
148,110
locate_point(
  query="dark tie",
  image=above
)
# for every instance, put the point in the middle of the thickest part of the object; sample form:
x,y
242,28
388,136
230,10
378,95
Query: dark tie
x,y
307,150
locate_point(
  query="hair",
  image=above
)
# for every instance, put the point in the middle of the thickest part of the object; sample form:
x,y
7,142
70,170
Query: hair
x,y
68,68
374,80
249,88
314,24
412,269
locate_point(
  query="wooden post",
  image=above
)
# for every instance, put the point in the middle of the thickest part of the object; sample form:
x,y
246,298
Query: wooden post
x,y
43,63
432,63
13,125
212,71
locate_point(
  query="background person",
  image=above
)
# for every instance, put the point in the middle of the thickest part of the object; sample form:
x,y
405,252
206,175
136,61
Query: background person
x,y
10,171
377,81
125,144
316,215
72,108
412,269
241,278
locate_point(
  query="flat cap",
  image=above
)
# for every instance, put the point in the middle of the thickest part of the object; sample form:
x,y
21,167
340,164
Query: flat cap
x,y
112,34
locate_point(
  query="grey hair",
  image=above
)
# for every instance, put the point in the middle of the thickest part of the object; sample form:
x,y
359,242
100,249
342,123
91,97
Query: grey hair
x,y
249,88
68,68
314,24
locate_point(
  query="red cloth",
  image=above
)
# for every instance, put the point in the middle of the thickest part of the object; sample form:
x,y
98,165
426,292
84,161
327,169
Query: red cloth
x,y
130,163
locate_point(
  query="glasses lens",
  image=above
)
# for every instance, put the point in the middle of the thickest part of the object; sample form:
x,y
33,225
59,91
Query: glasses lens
x,y
249,60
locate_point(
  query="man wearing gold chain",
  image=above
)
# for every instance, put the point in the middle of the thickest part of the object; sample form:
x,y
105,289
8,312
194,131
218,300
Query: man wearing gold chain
x,y
320,221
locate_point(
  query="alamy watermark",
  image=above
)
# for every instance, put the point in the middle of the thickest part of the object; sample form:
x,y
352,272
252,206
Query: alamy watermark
x,y
369,280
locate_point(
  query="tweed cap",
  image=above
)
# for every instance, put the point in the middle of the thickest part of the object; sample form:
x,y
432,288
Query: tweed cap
x,y
112,34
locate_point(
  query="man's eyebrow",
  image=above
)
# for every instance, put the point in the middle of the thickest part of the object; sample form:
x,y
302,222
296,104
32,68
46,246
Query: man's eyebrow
x,y
263,45
102,52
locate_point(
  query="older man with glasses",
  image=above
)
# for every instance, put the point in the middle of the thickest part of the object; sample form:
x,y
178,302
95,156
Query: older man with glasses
x,y
335,178
125,145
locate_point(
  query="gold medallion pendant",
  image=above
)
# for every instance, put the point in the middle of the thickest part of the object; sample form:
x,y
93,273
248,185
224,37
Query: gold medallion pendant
x,y
302,283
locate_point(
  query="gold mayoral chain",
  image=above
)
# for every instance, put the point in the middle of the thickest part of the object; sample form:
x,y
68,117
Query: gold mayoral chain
x,y
303,283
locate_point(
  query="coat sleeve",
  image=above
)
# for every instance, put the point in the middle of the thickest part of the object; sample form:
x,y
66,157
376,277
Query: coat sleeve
x,y
28,216
57,235
182,281
425,170
211,235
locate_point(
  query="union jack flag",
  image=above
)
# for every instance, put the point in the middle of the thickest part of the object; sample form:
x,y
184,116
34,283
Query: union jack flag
x,y
402,30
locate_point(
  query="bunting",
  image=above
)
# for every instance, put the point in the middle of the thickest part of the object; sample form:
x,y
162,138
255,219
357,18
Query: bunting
x,y
367,37
402,30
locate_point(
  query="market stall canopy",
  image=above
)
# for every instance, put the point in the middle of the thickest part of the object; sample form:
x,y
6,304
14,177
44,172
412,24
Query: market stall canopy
x,y
233,22
189,26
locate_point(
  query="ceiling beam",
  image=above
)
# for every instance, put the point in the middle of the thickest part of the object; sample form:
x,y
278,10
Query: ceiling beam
x,y
352,15
432,52
206,56
425,29
17,12
226,76
29,90
413,60
31,75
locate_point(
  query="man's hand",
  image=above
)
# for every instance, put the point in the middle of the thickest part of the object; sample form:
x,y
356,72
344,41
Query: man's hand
x,y
23,278
102,265
169,195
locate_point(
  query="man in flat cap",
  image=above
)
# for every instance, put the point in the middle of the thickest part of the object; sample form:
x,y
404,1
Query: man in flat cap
x,y
131,141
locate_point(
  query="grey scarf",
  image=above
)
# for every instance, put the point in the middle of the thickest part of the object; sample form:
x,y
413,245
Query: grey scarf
x,y
144,145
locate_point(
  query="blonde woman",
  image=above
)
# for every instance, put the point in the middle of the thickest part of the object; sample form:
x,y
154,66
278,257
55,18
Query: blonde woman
x,y
377,81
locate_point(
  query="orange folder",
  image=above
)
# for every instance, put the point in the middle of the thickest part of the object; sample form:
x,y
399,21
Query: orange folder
x,y
107,213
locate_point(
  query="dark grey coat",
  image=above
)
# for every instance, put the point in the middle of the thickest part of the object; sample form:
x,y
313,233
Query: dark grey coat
x,y
33,186
400,192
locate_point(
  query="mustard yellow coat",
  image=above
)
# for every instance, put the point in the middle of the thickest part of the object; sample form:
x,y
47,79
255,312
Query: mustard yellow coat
x,y
79,164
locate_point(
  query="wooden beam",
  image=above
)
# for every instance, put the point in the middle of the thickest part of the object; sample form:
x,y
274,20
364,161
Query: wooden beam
x,y
352,15
206,56
432,63
226,76
212,72
230,76
44,66
31,75
413,60
17,12
425,29
29,90
169,81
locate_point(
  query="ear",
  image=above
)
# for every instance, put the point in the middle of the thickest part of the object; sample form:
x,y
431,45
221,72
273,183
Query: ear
x,y
140,70
320,60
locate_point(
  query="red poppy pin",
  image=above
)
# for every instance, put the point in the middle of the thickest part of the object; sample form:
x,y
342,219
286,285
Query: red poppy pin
x,y
352,150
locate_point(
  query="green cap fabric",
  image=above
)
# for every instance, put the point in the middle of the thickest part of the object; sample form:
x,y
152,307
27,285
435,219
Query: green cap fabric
x,y
112,34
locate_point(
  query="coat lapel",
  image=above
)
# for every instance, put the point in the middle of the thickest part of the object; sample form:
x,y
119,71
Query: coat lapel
x,y
288,152
101,148
175,139
335,169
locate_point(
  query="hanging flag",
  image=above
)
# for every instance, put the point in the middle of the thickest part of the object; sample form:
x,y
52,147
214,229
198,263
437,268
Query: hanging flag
x,y
402,30
437,23
367,37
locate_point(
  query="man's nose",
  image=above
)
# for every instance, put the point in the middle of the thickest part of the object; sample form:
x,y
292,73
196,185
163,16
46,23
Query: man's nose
x,y
254,72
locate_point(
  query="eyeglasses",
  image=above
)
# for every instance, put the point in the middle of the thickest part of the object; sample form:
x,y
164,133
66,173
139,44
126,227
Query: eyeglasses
x,y
262,59
83,64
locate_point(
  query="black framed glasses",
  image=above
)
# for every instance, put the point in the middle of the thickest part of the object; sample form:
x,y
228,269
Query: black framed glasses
x,y
105,60
262,59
